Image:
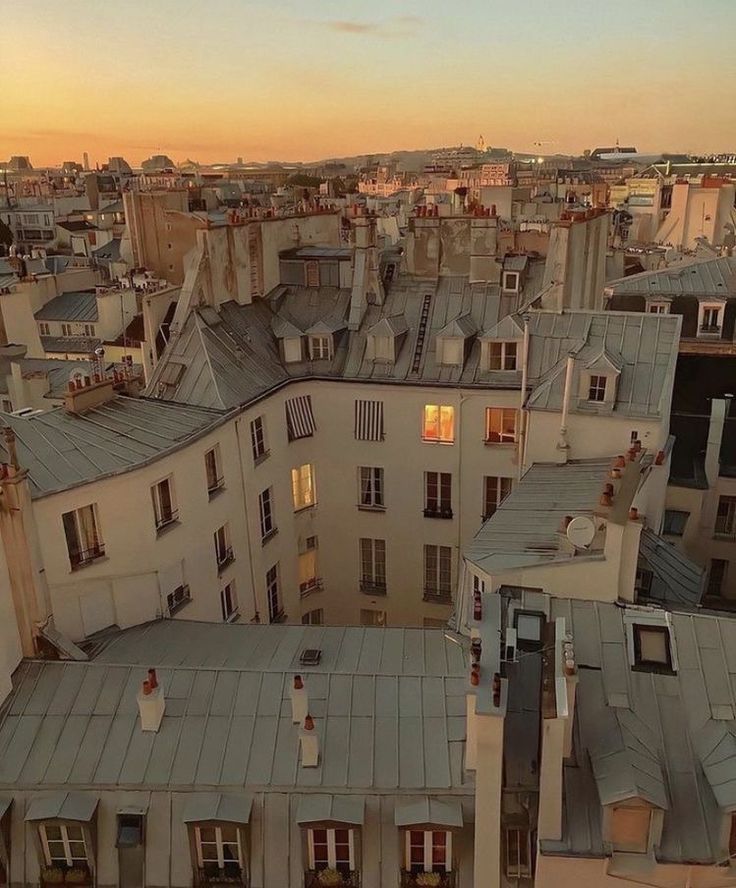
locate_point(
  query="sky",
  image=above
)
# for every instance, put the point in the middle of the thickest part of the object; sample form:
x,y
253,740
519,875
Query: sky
x,y
309,79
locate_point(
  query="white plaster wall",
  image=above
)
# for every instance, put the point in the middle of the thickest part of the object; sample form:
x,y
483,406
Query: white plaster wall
x,y
10,648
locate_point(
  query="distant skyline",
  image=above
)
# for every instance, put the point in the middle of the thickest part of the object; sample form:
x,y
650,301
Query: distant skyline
x,y
285,80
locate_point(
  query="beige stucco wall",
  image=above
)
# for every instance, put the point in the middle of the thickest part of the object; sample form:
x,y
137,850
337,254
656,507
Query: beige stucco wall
x,y
10,648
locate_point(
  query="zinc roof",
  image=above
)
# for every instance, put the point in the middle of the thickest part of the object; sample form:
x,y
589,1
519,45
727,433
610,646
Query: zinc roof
x,y
69,307
388,706
62,449
710,277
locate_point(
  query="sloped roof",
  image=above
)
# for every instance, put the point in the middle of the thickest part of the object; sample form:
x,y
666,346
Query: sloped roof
x,y
675,578
710,277
462,327
509,328
393,326
80,307
605,360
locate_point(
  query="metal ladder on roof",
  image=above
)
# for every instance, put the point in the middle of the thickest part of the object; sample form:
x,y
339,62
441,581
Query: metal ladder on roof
x,y
421,335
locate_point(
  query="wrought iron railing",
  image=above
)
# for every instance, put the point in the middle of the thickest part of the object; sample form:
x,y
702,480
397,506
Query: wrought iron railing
x,y
213,878
320,879
86,556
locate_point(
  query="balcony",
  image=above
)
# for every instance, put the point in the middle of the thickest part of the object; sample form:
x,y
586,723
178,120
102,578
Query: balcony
x,y
329,878
310,586
83,557
213,877
214,486
427,880
371,587
164,522
438,512
224,557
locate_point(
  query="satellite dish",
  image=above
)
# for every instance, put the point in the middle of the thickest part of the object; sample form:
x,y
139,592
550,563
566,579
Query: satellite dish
x,y
580,532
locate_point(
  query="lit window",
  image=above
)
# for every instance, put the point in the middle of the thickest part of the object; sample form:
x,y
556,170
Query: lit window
x,y
518,853
428,851
229,602
163,503
219,852
83,538
437,572
302,487
331,849
495,491
500,425
273,595
502,355
597,388
439,423
212,468
629,828
726,516
674,522
265,510
437,495
373,566
370,490
64,846
320,348
258,439
652,647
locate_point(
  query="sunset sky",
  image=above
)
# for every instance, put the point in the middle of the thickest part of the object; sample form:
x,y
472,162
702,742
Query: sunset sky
x,y
308,79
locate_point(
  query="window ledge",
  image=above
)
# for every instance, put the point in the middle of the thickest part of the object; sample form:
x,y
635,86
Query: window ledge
x,y
89,561
269,536
437,440
437,597
307,589
164,528
234,616
364,508
174,609
304,508
373,588
213,492
445,514
221,565
257,460
489,443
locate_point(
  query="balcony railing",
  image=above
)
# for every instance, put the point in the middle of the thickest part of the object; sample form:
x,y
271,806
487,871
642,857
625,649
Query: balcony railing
x,y
309,586
324,879
438,512
427,880
166,520
225,557
438,596
372,587
214,485
82,557
215,877
63,875
710,329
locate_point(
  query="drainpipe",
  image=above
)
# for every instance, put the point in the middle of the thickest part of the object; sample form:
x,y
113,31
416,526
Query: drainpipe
x,y
562,444
522,398
245,515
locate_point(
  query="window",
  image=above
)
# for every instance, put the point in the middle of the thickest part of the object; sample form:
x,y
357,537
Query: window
x,y
629,828
89,330
308,576
214,473
661,308
64,845
500,425
258,439
674,522
372,617
726,516
229,602
370,491
331,849
320,348
510,281
495,491
163,503
710,319
518,853
178,598
643,582
223,549
273,594
218,851
439,424
313,617
369,421
437,495
437,572
652,647
83,538
597,388
716,576
299,418
66,329
373,566
502,356
265,510
732,836
44,329
302,487
428,851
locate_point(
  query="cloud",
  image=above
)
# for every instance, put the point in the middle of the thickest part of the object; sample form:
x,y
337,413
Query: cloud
x,y
398,26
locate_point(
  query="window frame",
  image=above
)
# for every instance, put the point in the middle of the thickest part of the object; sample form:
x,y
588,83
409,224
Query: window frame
x,y
435,569
218,482
309,620
706,309
438,495
273,594
428,865
492,503
267,514
229,602
505,275
331,843
44,329
219,844
227,553
506,351
320,347
92,552
502,436
709,589
437,436
522,869
371,488
626,848
374,623
729,530
68,861
372,565
667,523
640,663
596,393
258,447
163,520
300,481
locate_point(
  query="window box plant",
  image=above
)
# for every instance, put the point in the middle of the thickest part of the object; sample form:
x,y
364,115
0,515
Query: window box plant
x,y
52,875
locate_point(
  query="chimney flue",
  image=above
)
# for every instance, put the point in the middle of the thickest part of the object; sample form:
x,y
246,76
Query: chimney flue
x,y
151,703
299,701
309,742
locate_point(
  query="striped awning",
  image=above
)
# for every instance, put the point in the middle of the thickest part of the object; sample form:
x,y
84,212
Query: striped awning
x,y
63,806
369,420
436,812
299,417
218,806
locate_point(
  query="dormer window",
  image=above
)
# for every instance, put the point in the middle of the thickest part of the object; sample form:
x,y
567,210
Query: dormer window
x,y
454,339
652,647
510,281
630,827
662,308
320,348
292,349
451,351
597,388
710,319
502,355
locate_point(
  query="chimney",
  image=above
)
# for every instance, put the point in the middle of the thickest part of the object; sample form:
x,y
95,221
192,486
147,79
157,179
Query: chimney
x,y
151,703
85,395
309,742
719,408
563,445
299,700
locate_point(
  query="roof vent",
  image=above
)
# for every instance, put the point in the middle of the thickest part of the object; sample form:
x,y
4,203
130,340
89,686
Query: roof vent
x,y
310,657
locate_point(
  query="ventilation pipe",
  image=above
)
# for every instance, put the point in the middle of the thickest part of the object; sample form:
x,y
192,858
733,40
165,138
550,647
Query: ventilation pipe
x,y
151,703
299,700
563,445
309,742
